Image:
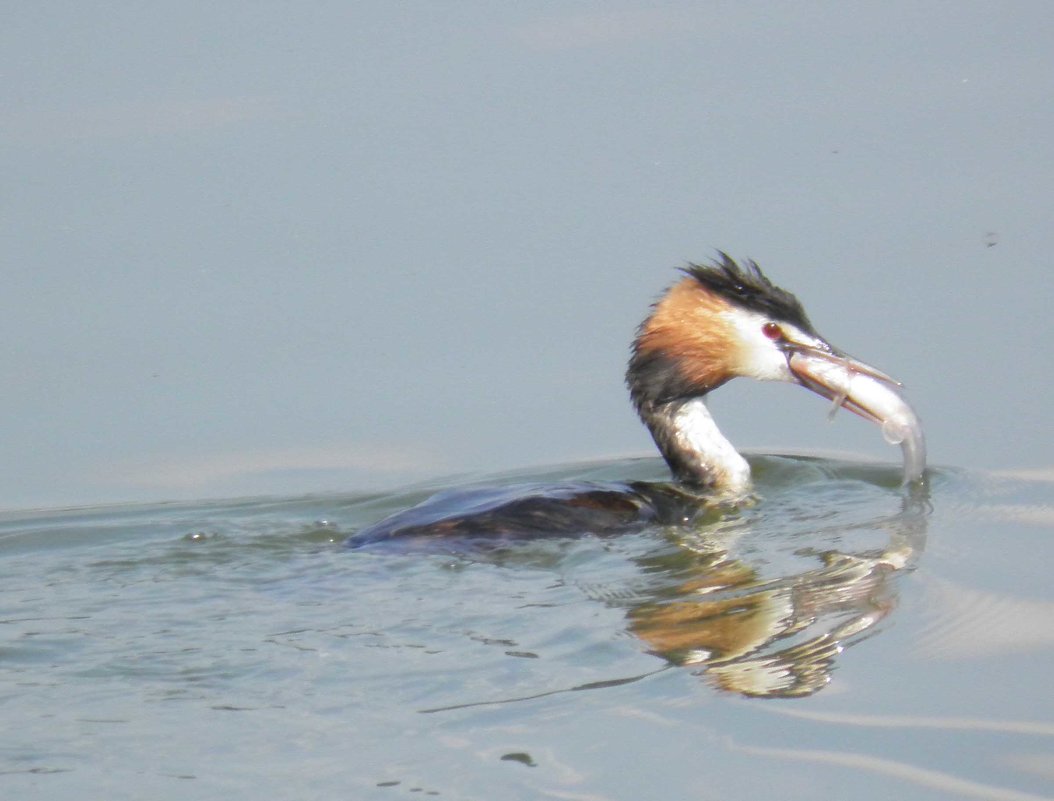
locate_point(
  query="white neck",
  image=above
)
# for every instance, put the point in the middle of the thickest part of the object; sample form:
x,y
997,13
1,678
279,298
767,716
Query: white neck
x,y
697,450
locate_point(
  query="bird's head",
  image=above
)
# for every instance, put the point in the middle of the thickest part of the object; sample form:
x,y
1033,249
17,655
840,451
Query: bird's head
x,y
724,320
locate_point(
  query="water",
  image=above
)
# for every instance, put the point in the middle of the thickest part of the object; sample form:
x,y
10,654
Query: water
x,y
836,639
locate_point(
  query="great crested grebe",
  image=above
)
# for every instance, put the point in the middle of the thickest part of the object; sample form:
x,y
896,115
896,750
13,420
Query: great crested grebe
x,y
720,321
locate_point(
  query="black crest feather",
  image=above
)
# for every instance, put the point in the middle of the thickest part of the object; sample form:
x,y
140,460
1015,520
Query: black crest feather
x,y
746,286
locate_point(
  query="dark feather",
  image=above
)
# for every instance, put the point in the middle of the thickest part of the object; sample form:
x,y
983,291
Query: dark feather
x,y
495,514
655,378
746,286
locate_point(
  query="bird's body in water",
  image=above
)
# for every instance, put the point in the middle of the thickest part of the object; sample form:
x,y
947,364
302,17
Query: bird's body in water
x,y
720,321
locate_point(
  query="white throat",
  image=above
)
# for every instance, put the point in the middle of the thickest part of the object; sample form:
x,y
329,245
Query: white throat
x,y
704,448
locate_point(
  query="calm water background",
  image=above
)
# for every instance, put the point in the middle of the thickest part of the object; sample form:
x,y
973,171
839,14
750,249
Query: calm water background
x,y
253,250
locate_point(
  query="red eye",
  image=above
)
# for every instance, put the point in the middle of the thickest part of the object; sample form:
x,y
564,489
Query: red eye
x,y
772,331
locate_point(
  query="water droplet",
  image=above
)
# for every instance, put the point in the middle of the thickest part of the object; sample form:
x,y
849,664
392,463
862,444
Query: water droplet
x,y
894,431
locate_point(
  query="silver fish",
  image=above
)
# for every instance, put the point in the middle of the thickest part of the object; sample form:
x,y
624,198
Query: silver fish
x,y
868,392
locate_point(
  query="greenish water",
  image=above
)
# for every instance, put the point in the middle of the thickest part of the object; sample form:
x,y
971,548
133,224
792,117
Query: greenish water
x,y
837,639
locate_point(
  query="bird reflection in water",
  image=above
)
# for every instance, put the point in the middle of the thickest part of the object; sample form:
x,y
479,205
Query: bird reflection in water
x,y
759,601
772,637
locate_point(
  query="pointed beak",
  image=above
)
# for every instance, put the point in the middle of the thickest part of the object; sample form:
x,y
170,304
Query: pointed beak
x,y
865,391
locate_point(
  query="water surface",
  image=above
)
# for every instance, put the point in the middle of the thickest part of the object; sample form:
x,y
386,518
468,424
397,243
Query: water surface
x,y
838,637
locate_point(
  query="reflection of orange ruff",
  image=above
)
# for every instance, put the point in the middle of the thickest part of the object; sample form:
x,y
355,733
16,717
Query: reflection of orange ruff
x,y
713,631
731,633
